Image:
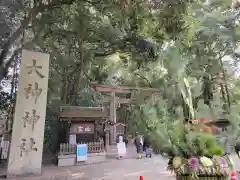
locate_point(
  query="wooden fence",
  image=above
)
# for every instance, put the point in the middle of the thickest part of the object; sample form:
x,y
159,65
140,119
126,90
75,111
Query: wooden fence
x,y
93,147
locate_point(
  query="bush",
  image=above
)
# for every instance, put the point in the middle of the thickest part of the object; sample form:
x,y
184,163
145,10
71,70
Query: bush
x,y
177,140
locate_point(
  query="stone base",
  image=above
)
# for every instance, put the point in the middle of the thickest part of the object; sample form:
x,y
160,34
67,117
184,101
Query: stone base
x,y
23,173
70,160
94,158
51,174
66,160
23,176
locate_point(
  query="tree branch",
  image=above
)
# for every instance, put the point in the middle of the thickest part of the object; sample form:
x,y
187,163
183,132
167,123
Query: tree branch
x,y
32,14
146,80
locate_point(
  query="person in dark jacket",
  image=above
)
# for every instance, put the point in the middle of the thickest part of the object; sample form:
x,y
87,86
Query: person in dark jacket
x,y
147,147
125,140
237,149
138,142
146,143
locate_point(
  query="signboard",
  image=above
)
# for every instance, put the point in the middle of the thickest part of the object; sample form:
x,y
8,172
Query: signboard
x,y
120,128
82,128
72,139
199,125
81,152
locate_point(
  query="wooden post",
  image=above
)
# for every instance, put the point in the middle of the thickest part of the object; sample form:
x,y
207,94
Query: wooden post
x,y
107,139
113,117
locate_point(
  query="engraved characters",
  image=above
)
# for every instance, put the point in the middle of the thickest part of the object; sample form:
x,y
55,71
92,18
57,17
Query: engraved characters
x,y
35,68
83,129
27,146
80,129
30,119
36,92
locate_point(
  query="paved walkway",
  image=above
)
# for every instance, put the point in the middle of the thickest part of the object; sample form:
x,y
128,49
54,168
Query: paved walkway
x,y
129,168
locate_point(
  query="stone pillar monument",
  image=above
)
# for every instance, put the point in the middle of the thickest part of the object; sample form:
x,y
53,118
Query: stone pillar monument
x,y
29,119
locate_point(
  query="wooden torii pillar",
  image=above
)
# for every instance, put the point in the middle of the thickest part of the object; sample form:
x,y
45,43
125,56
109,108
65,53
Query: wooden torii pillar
x,y
113,109
113,116
113,100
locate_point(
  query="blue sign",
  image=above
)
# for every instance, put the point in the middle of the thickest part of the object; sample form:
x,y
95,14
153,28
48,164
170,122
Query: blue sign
x,y
81,152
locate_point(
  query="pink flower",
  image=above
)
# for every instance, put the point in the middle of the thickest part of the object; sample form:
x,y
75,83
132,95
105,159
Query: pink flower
x,y
223,163
193,163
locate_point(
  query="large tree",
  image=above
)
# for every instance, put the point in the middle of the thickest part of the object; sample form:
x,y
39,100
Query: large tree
x,y
130,18
138,43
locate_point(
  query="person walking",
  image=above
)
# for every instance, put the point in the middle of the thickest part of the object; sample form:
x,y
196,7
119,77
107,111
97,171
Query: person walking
x,y
121,147
125,140
138,142
146,143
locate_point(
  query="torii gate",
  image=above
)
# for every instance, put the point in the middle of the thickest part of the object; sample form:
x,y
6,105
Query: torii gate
x,y
113,100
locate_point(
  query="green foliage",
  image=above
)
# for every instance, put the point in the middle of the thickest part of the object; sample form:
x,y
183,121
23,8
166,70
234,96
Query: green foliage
x,y
175,46
173,137
5,100
197,82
